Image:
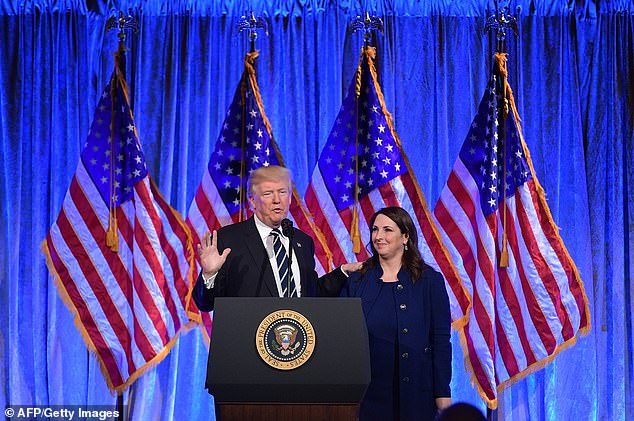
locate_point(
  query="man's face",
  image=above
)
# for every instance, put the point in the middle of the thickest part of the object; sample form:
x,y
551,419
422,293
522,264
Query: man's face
x,y
270,201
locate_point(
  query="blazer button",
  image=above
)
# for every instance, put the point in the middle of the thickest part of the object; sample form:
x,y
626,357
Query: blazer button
x,y
427,350
405,355
403,306
404,331
406,379
399,287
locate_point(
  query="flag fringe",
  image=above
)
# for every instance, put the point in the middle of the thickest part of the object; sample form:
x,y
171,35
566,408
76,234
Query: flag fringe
x,y
112,241
491,403
57,281
154,361
533,368
536,366
500,61
460,323
206,335
190,255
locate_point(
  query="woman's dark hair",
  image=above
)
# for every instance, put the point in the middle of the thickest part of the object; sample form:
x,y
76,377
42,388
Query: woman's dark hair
x,y
412,260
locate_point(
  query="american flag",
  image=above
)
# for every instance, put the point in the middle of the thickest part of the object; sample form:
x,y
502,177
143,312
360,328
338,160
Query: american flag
x,y
245,144
363,154
524,312
129,299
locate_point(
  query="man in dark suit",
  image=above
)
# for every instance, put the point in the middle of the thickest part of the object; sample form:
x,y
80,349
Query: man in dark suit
x,y
242,259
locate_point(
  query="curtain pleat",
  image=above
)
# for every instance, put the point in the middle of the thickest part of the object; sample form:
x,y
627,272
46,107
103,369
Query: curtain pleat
x,y
572,71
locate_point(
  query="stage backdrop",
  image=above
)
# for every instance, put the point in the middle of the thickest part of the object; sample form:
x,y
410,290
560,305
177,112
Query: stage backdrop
x,y
572,71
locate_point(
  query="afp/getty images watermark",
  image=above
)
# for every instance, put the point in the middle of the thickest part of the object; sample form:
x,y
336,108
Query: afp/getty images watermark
x,y
61,412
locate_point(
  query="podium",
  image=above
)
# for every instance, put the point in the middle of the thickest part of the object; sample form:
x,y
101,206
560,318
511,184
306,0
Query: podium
x,y
288,358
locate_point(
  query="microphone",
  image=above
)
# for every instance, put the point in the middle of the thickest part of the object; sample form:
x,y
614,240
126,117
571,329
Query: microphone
x,y
288,231
287,228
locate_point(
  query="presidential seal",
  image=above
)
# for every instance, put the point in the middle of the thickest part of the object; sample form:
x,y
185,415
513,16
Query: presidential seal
x,y
285,339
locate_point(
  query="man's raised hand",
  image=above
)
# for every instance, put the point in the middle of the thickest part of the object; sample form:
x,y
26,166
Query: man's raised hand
x,y
210,260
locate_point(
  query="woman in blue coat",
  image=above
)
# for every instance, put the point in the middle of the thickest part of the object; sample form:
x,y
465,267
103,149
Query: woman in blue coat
x,y
406,309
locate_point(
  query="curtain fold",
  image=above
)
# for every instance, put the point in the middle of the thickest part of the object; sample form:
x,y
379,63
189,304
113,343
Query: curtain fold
x,y
572,72
299,8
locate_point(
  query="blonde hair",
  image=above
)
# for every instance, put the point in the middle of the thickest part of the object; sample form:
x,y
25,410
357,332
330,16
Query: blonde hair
x,y
270,173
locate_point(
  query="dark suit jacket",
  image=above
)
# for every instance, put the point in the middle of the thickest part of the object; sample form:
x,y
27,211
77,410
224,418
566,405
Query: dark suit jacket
x,y
248,272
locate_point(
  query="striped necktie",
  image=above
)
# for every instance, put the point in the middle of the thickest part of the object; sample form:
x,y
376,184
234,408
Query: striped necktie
x,y
282,264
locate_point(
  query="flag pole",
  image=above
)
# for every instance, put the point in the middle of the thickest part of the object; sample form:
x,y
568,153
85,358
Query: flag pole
x,y
250,23
367,24
500,22
119,22
242,215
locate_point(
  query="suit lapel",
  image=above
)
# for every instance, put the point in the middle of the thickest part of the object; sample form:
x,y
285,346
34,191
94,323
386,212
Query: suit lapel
x,y
265,277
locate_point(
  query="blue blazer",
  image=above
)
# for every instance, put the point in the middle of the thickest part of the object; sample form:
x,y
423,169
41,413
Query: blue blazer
x,y
411,365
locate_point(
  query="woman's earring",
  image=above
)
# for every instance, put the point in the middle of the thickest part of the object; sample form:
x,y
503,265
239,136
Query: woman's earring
x,y
405,247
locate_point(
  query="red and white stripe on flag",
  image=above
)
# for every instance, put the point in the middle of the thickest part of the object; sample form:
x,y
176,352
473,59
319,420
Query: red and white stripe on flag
x,y
120,256
244,144
363,152
525,313
129,305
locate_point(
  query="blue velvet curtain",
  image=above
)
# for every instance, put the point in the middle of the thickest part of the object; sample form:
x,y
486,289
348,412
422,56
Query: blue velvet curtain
x,y
572,71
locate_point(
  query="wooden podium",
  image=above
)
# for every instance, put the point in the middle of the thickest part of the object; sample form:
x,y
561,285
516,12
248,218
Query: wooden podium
x,y
322,376
286,412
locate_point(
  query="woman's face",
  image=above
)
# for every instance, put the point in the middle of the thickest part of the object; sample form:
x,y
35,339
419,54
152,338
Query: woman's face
x,y
387,238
